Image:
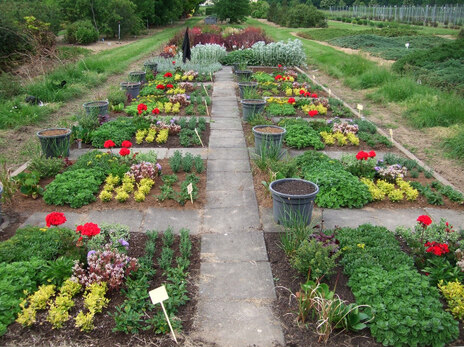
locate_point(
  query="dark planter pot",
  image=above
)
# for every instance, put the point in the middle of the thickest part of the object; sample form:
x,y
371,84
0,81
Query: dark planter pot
x,y
250,107
151,66
234,67
96,108
132,88
138,76
292,207
243,86
268,142
54,142
243,75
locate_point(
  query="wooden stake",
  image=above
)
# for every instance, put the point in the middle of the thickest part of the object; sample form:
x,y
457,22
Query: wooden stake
x,y
196,132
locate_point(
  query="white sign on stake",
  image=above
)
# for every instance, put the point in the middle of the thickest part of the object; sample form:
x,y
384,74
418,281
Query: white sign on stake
x,y
391,134
189,191
314,77
157,296
360,107
407,45
330,93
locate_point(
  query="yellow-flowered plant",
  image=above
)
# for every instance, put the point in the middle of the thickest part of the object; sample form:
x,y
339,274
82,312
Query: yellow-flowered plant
x,y
162,136
376,193
174,91
177,77
454,295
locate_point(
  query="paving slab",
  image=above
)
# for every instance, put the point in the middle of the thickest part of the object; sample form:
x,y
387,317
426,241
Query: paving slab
x,y
230,219
131,218
203,152
233,180
226,134
239,323
233,247
72,219
270,226
227,142
389,218
231,198
243,280
232,123
225,111
224,165
455,218
228,153
161,219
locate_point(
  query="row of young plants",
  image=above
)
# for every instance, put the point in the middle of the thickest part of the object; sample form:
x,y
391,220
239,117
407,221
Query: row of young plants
x,y
396,292
73,275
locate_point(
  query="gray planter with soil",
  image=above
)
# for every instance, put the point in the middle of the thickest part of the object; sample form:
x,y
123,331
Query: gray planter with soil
x,y
247,86
96,108
268,139
151,66
293,200
243,75
138,76
132,88
54,142
250,107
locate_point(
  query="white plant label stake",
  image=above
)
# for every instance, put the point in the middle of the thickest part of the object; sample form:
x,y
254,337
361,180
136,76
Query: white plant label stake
x,y
157,296
198,135
189,191
360,108
207,111
314,77
391,134
407,45
330,93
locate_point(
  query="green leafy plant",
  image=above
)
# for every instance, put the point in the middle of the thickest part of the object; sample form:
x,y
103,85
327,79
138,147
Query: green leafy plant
x,y
301,135
46,167
187,162
28,183
176,161
198,163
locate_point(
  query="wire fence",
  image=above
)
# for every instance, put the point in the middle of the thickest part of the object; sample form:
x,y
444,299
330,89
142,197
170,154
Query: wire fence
x,y
448,15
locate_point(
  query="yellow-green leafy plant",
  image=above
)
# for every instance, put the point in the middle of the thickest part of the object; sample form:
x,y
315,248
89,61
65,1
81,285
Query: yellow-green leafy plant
x,y
327,138
33,303
121,194
376,193
162,136
140,135
395,195
454,295
58,312
94,302
385,187
341,139
105,196
151,135
354,140
411,193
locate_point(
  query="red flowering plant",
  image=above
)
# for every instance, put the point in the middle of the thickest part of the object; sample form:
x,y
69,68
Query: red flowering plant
x,y
55,219
141,108
313,113
168,75
435,248
155,111
109,144
291,101
86,231
361,165
160,86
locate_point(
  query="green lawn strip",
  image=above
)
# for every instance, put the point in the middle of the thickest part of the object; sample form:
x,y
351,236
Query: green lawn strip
x,y
406,306
87,73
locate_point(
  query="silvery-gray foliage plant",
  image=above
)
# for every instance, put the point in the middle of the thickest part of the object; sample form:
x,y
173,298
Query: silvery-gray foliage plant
x,y
274,53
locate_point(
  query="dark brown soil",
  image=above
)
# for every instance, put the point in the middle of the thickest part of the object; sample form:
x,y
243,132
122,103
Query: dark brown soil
x,y
288,281
42,334
294,187
54,132
269,130
23,203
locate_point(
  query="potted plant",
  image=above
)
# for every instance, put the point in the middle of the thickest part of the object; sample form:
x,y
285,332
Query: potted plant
x,y
293,200
55,142
150,65
268,138
242,72
132,89
247,86
252,103
96,108
137,76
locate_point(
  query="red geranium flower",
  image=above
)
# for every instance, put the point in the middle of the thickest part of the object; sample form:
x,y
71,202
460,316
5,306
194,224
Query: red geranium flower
x,y
173,63
424,220
302,91
314,95
155,111
168,74
169,86
109,144
307,94
371,154
141,108
159,86
278,77
88,229
291,100
55,218
124,151
313,113
279,66
126,144
362,155
436,248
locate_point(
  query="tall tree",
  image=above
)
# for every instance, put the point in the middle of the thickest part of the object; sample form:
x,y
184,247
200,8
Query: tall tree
x,y
235,10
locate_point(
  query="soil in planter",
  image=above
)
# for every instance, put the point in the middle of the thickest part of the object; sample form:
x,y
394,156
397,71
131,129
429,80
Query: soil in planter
x,y
54,132
287,281
294,188
269,130
102,335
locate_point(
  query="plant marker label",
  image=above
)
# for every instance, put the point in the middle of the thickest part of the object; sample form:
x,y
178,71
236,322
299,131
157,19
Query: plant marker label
x,y
189,191
391,134
360,107
330,93
198,135
157,296
314,77
207,111
407,45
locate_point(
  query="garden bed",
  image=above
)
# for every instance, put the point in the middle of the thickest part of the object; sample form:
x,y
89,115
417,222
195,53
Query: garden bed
x,y
42,333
